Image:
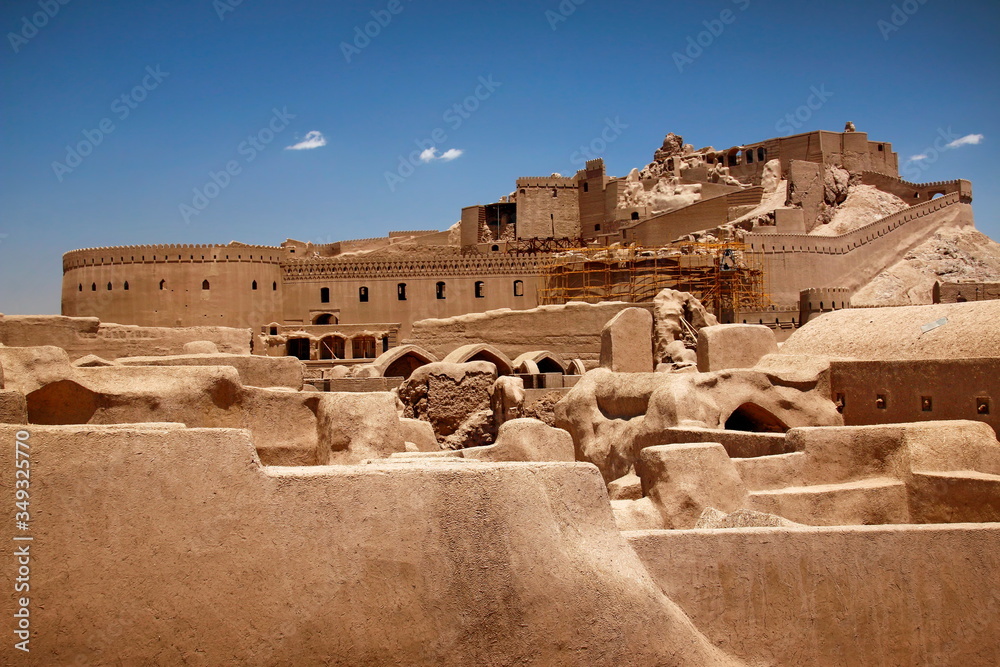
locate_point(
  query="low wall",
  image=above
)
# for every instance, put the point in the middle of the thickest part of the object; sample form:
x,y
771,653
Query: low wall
x,y
572,331
861,595
81,336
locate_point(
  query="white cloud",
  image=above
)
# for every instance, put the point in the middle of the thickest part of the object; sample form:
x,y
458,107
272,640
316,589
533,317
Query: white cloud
x,y
431,154
967,140
918,158
314,139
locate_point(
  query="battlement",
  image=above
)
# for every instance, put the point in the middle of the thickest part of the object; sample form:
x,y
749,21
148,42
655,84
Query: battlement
x,y
420,232
546,182
173,254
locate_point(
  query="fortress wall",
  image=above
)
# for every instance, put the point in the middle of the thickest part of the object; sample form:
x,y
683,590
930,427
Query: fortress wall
x,y
800,261
542,215
304,282
855,595
915,193
181,301
572,331
81,336
705,214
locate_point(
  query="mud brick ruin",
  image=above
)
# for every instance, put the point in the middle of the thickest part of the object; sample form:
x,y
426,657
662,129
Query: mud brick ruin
x,y
738,407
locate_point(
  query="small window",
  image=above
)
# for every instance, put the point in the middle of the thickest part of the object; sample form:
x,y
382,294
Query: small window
x,y
761,154
274,286
205,285
273,331
982,406
880,401
81,287
522,191
93,287
163,283
926,404
480,289
401,291
253,286
881,148
597,228
125,286
495,248
555,193
518,288
635,215
109,287
363,294
586,187
841,403
440,290
750,156
324,295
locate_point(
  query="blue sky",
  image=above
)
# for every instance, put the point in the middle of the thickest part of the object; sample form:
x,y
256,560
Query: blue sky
x,y
161,96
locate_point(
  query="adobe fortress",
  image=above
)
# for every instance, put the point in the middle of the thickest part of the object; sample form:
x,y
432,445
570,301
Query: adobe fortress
x,y
739,407
820,214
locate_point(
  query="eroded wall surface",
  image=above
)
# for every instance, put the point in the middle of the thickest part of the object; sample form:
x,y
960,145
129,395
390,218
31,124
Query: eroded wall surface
x,y
859,595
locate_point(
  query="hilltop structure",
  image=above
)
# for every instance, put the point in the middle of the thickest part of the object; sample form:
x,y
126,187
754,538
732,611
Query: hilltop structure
x,y
770,232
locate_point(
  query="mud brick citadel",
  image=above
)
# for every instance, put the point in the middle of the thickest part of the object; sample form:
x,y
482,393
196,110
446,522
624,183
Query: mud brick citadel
x,y
737,407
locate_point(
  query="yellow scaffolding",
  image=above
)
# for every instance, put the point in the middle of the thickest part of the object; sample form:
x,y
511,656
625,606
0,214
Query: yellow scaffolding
x,y
724,276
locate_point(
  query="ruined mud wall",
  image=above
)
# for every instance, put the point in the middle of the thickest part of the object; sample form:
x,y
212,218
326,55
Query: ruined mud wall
x,y
572,331
81,336
899,595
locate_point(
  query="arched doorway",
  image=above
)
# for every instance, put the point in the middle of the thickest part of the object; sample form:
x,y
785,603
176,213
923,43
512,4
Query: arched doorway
x,y
754,419
298,348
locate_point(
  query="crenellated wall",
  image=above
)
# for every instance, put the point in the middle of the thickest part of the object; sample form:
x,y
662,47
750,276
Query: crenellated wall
x,y
165,285
801,261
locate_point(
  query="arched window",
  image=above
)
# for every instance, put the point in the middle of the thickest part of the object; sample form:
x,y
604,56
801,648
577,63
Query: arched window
x,y
440,290
109,287
495,248
274,286
749,154
401,291
253,286
205,285
518,288
163,283
761,154
81,287
363,294
480,289
125,286
93,287
324,295
635,215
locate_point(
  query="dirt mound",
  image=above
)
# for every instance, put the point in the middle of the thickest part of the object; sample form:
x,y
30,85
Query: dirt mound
x,y
864,204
